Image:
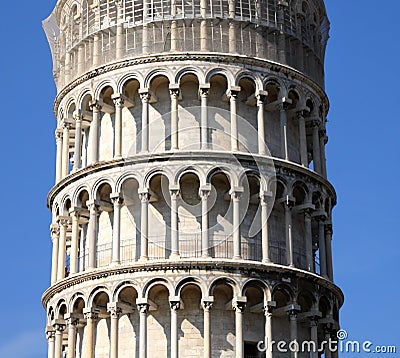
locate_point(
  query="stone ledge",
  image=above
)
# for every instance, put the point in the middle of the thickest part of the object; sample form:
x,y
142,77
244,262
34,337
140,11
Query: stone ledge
x,y
225,266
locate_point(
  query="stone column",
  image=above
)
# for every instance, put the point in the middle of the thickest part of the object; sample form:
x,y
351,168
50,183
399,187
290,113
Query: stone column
x,y
174,92
91,315
65,149
264,226
143,308
233,96
261,96
232,30
72,332
115,313
328,246
144,241
308,240
174,192
175,305
67,67
55,235
328,352
203,25
62,249
316,148
239,306
59,156
322,141
145,98
205,244
59,327
92,234
95,128
322,248
293,329
78,141
235,196
116,239
207,305
204,90
314,335
289,232
174,35
284,134
119,42
119,104
81,59
268,331
96,36
50,336
303,139
74,241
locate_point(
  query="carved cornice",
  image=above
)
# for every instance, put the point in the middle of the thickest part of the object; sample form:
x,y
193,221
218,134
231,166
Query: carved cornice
x,y
264,270
229,59
282,167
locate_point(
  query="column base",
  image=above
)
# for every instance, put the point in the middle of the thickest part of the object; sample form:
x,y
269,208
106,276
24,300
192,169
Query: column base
x,y
174,256
143,258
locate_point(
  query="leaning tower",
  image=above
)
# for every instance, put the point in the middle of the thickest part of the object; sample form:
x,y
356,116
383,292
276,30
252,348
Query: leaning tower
x,y
191,211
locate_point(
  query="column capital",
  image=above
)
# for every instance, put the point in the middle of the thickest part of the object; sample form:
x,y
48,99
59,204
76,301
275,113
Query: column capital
x,y
174,191
205,191
92,204
50,333
114,309
265,196
91,313
233,92
64,220
71,319
59,325
118,100
54,229
144,195
236,192
66,124
175,303
239,303
174,90
116,198
329,229
269,308
207,303
58,134
314,122
204,89
261,96
284,103
95,106
77,115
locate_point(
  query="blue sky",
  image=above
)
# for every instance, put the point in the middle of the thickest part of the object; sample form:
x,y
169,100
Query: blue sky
x,y
363,164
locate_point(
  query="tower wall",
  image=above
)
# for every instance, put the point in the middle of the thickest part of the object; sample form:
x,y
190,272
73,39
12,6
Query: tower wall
x,y
191,214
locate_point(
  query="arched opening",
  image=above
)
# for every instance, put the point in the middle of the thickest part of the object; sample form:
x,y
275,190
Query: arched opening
x,y
254,320
298,225
272,119
189,216
159,218
189,113
250,228
130,221
219,121
131,119
280,322
159,322
106,132
102,330
220,217
247,112
276,225
190,321
77,311
160,115
104,225
223,321
128,327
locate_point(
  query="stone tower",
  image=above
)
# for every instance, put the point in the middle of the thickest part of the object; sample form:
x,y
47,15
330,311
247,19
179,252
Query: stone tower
x,y
191,213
